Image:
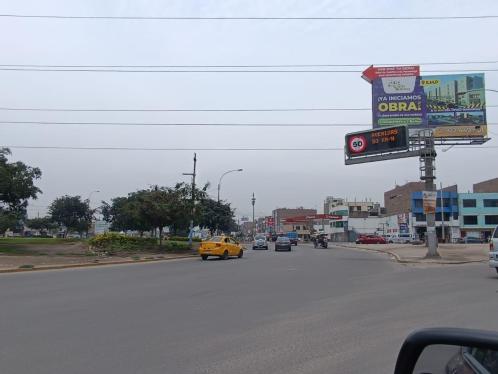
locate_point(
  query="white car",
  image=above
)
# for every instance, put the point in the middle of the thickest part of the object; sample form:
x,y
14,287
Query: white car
x,y
400,238
260,242
493,250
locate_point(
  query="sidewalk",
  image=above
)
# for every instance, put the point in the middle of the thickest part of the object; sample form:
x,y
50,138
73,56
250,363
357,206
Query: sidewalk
x,y
409,253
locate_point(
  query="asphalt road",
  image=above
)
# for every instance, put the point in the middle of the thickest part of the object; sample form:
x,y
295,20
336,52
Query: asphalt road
x,y
309,311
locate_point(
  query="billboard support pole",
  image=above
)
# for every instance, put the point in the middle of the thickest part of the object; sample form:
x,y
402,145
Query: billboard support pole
x,y
427,158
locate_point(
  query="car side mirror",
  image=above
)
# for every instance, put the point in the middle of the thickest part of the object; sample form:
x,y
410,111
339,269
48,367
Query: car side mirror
x,y
448,350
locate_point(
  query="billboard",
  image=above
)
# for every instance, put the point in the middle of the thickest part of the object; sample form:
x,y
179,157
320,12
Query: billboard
x,y
431,102
371,142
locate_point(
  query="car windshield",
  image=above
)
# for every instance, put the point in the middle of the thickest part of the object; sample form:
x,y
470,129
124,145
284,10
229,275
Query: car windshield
x,y
216,239
238,187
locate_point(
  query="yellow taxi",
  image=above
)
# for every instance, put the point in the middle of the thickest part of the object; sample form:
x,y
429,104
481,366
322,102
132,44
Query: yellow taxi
x,y
221,246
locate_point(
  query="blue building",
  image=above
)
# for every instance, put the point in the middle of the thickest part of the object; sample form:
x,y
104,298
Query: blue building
x,y
478,214
446,209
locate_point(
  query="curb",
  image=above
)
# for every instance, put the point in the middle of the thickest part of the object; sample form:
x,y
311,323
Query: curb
x,y
56,267
401,261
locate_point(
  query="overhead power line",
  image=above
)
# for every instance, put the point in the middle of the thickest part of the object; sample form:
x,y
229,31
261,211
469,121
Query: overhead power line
x,y
193,148
181,110
169,148
83,70
243,66
246,18
226,124
188,109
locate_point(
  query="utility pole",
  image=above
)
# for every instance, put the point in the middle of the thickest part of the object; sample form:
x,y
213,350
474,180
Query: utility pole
x,y
427,158
253,201
191,227
442,214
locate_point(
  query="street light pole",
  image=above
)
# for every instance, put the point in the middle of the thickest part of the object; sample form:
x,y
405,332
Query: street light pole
x,y
191,226
253,201
443,237
90,196
219,183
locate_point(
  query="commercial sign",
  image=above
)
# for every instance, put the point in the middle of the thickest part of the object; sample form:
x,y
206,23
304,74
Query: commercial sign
x,y
429,201
311,217
427,101
460,131
377,141
269,221
372,73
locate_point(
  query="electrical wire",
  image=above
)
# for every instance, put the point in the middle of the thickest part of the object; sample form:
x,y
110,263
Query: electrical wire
x,y
227,18
227,124
167,149
191,110
245,66
218,71
182,110
308,149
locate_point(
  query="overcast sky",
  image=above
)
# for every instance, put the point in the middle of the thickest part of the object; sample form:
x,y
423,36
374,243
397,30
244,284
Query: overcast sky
x,y
278,179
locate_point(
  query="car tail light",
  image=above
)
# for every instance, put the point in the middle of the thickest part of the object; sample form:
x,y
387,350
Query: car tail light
x,y
491,246
218,244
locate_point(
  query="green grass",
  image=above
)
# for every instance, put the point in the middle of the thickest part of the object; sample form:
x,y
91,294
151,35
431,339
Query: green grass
x,y
36,241
27,266
13,250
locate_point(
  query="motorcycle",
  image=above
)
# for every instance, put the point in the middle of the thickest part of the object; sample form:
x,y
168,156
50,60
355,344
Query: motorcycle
x,y
320,241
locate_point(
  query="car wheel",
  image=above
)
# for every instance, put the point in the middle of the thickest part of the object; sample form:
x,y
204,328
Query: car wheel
x,y
390,242
290,249
225,255
241,253
266,247
253,248
496,270
204,257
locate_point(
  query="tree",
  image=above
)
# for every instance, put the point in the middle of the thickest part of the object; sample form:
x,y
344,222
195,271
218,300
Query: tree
x,y
159,207
43,224
17,183
124,214
216,215
8,220
72,212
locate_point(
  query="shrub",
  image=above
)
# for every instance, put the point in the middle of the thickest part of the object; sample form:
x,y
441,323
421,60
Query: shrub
x,y
116,241
27,266
183,239
175,246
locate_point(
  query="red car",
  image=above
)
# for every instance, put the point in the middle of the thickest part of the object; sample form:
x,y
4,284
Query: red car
x,y
370,239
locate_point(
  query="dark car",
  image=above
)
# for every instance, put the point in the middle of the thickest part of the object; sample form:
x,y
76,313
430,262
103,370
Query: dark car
x,y
470,240
283,243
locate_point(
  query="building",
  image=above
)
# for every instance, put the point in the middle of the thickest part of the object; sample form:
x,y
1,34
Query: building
x,y
399,199
447,210
489,186
280,214
478,214
331,202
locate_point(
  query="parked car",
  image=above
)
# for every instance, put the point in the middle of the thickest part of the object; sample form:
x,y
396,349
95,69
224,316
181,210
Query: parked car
x,y
370,239
493,250
292,235
400,238
222,247
283,243
260,242
470,240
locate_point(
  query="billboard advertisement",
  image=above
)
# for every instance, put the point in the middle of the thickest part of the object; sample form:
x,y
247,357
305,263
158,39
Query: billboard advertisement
x,y
432,101
370,142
